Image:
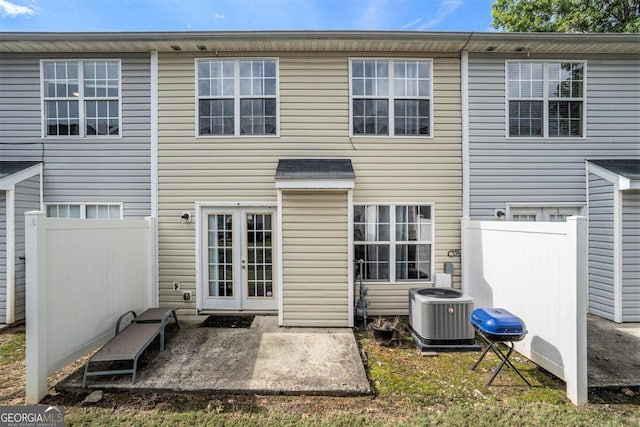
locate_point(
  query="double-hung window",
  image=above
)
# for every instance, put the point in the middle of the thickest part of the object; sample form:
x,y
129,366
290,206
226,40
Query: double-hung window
x,y
391,97
81,98
394,241
546,99
237,97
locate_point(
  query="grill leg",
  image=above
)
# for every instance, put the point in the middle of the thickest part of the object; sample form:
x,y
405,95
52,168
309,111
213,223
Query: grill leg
x,y
484,353
505,361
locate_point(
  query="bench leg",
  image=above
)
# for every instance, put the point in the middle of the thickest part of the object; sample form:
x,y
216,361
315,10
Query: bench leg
x,y
135,370
84,377
175,317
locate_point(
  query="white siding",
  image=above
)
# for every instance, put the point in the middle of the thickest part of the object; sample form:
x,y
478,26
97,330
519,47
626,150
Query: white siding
x,y
631,256
601,244
315,258
314,122
80,169
3,257
527,170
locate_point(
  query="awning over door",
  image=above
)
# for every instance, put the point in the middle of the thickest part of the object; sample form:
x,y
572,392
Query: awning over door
x,y
315,173
623,172
13,172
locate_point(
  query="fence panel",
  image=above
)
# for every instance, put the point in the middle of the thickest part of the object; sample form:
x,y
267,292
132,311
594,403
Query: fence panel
x,y
81,275
538,271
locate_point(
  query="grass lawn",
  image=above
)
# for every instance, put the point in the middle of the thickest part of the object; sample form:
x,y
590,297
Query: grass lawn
x,y
409,390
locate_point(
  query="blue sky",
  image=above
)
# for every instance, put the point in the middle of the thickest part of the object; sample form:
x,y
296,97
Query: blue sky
x,y
193,15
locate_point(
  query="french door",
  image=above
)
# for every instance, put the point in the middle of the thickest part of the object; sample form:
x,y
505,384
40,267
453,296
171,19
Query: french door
x,y
238,258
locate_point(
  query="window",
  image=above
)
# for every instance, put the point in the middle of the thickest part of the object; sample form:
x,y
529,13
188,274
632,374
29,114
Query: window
x,y
237,97
543,213
85,211
81,98
546,99
391,97
394,241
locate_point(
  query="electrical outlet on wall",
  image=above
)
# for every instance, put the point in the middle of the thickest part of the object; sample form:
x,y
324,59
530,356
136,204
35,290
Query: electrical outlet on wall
x,y
176,286
186,295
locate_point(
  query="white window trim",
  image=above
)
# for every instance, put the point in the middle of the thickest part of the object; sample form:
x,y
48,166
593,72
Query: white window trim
x,y
542,210
236,97
81,99
390,98
545,101
83,208
393,242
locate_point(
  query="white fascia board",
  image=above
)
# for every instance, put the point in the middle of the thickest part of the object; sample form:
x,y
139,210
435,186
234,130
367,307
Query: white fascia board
x,y
9,181
315,184
621,182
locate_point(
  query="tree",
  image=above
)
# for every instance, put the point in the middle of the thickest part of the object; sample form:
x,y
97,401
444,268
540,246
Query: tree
x,y
579,16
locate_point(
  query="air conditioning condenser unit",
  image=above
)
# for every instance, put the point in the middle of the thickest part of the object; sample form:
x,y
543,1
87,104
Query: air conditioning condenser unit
x,y
439,320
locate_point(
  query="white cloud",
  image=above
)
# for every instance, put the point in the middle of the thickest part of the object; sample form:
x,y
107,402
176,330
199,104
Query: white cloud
x,y
12,10
374,15
411,24
447,7
218,16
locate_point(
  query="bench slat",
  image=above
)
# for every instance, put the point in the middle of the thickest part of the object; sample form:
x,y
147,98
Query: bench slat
x,y
127,344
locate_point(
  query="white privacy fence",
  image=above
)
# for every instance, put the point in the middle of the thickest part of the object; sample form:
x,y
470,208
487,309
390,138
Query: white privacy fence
x,y
537,271
81,275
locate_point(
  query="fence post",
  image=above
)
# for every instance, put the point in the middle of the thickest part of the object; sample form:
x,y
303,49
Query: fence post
x,y
36,309
578,241
152,260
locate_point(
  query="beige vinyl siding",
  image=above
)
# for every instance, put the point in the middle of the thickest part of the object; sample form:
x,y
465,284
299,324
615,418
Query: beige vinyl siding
x,y
314,122
315,258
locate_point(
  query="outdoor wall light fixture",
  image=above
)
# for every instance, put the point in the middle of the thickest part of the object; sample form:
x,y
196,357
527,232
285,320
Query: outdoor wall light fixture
x,y
185,217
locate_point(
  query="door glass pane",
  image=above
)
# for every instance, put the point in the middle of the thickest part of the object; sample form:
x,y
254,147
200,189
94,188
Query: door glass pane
x,y
220,263
259,256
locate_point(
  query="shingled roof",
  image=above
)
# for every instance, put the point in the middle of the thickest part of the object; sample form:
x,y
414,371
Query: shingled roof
x,y
315,169
628,168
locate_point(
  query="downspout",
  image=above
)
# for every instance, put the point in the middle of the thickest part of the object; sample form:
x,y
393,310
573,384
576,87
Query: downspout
x,y
10,221
464,94
153,168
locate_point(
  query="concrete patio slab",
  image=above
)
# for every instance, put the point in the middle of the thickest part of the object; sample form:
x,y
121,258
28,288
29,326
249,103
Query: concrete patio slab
x,y
262,359
613,353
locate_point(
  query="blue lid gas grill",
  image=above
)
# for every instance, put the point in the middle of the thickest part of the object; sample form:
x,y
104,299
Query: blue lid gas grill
x,y
496,325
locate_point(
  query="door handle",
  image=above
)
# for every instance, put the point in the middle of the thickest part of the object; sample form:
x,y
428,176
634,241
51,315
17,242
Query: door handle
x,y
243,264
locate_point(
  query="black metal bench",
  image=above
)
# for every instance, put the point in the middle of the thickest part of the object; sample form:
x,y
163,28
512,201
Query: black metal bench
x,y
129,343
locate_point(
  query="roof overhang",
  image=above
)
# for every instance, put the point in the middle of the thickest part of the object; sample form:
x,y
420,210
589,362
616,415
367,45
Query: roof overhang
x,y
622,173
309,41
12,173
315,174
